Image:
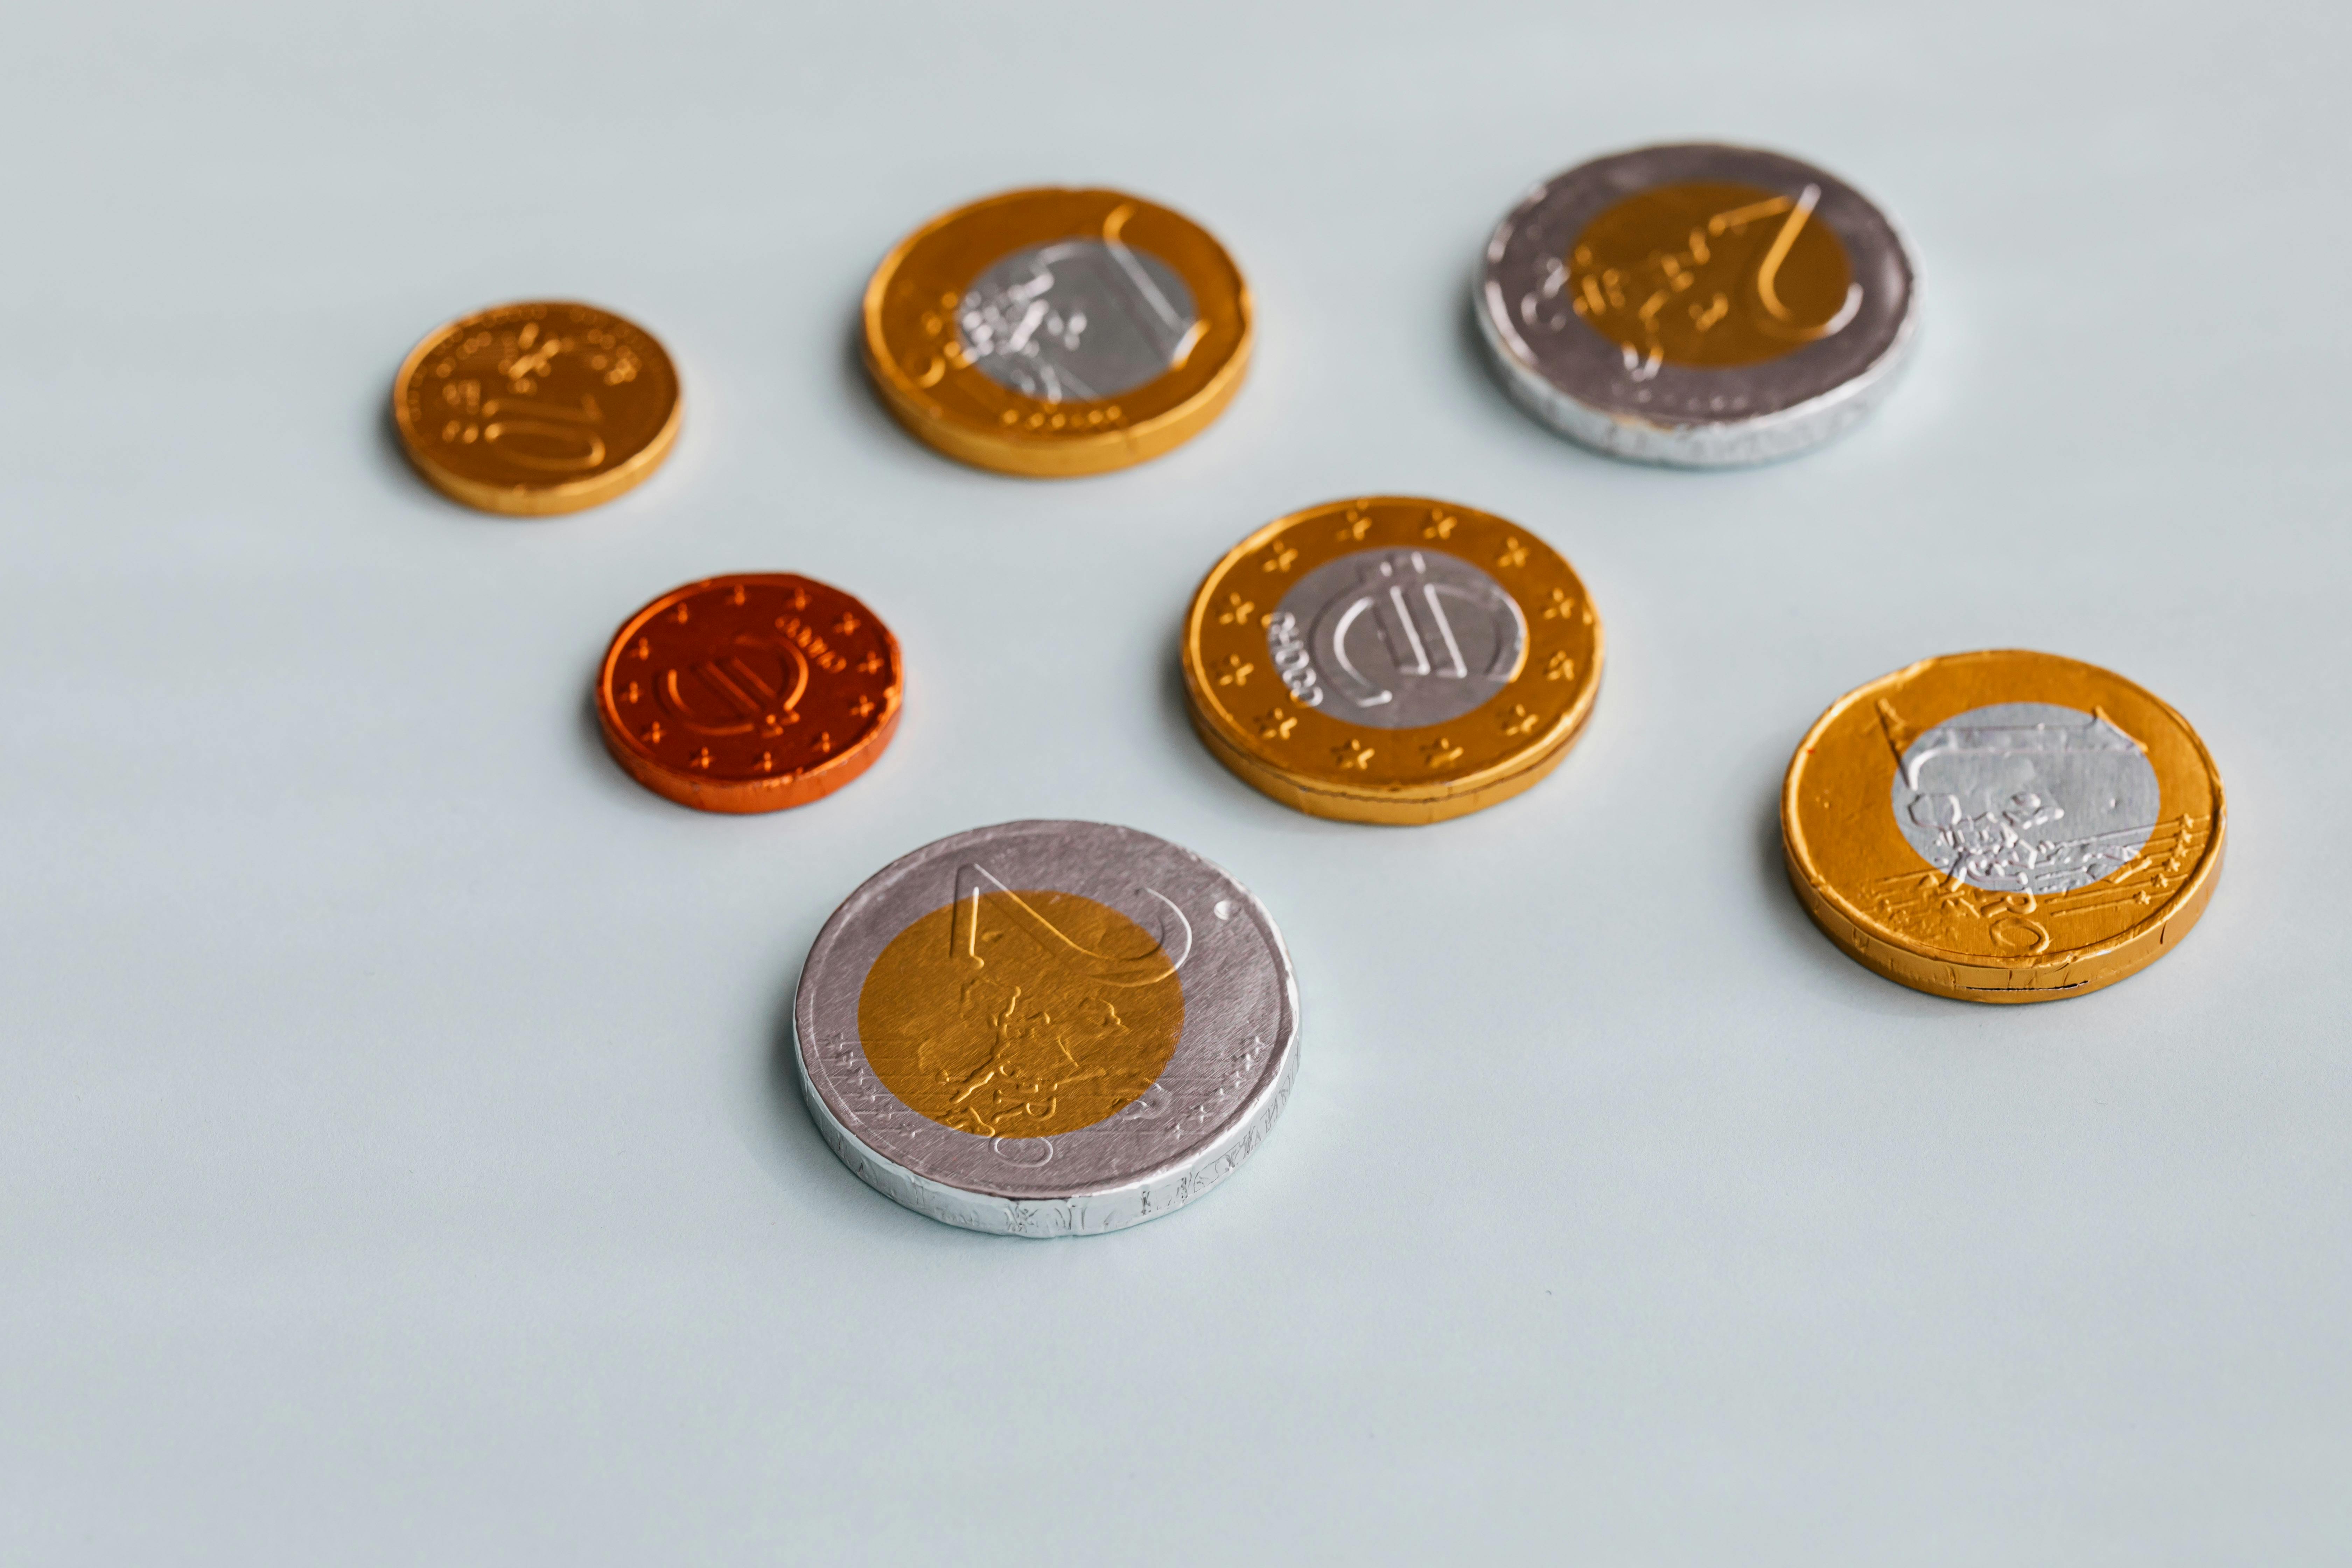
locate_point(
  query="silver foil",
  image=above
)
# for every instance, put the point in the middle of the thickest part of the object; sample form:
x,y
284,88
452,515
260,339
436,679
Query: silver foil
x,y
1212,1106
1592,390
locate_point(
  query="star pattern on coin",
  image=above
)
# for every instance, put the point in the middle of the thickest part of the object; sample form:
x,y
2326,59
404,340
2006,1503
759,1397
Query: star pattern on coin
x,y
1276,725
1238,610
1441,526
848,624
1236,672
1354,525
1563,604
862,707
1560,667
1440,753
654,733
1354,754
1518,720
702,759
1282,558
1514,553
871,663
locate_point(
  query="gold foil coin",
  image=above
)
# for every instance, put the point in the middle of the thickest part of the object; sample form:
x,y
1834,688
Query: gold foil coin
x,y
1391,660
1055,332
2003,827
536,408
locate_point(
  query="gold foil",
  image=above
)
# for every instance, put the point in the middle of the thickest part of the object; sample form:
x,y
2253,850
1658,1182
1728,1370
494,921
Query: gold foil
x,y
1326,766
1711,273
916,355
1875,896
537,408
1021,1014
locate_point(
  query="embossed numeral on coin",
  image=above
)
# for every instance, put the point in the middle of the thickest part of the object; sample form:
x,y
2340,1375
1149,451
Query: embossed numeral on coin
x,y
970,935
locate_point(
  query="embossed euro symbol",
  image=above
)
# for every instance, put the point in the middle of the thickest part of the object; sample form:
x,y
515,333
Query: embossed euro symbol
x,y
753,681
1408,609
982,898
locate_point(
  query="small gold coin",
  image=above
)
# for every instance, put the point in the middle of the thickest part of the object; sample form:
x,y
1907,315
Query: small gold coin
x,y
1391,660
2003,827
536,408
1055,332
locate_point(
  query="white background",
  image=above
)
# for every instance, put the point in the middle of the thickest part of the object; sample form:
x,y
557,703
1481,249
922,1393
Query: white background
x,y
398,1160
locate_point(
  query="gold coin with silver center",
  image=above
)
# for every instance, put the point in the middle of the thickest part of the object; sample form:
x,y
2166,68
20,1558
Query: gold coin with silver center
x,y
1391,659
1055,333
2003,827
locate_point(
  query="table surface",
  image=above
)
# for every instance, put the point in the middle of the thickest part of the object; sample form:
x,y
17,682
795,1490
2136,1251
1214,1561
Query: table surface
x,y
399,1156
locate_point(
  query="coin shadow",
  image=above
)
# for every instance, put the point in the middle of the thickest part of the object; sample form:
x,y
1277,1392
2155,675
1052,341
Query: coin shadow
x,y
1204,770
613,780
392,461
1470,348
874,413
796,1154
1805,942
1470,345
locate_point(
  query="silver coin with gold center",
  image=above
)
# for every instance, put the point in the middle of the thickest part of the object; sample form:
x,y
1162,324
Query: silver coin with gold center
x,y
1047,1028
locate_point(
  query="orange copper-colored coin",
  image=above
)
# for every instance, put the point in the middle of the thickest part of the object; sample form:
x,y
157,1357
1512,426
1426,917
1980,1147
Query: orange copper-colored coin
x,y
749,693
2003,827
536,408
1055,332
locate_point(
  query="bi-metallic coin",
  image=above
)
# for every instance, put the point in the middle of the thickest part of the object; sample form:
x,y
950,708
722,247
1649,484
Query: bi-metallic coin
x,y
536,408
1054,332
2003,827
1700,306
749,693
1391,660
1047,1028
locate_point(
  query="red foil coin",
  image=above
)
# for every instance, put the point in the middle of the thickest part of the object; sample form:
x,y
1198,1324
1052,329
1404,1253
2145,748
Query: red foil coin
x,y
749,693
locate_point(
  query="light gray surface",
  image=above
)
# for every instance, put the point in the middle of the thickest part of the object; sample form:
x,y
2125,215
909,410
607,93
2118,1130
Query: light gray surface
x,y
397,1161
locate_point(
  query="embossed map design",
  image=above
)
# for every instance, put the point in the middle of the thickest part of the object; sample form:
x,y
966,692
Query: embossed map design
x,y
1078,319
1022,1014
